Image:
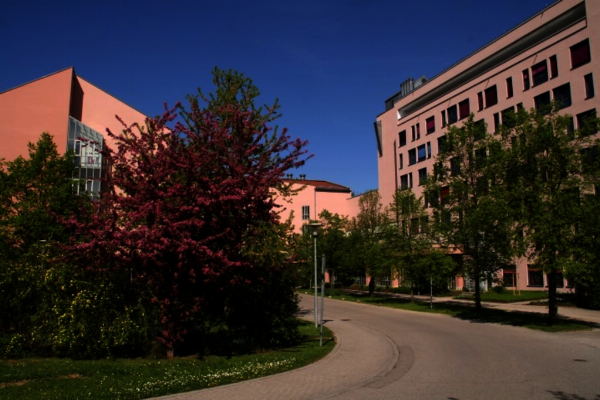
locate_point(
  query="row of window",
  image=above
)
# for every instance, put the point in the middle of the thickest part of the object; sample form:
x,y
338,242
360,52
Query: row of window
x,y
535,278
536,75
406,180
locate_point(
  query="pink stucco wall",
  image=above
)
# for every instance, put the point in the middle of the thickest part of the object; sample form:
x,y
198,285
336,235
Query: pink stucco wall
x,y
31,109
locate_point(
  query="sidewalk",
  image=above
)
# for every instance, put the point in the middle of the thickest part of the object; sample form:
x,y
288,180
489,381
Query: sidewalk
x,y
567,312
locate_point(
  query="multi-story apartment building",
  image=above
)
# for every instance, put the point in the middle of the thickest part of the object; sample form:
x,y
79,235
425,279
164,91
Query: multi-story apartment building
x,y
76,112
553,55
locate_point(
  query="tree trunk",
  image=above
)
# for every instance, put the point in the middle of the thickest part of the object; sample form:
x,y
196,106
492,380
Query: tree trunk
x,y
552,302
477,293
371,286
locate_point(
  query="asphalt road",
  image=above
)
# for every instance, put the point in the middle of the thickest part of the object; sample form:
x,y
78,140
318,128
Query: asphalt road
x,y
391,354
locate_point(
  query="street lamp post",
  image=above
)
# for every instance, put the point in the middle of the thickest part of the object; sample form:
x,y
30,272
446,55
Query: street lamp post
x,y
315,232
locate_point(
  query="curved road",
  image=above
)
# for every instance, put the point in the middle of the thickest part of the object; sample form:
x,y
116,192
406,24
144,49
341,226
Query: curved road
x,y
391,354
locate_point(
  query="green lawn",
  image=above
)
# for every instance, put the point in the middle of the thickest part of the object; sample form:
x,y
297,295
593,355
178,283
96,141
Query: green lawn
x,y
141,378
538,321
507,296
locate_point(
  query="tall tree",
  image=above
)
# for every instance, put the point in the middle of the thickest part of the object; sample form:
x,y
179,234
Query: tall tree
x,y
184,196
369,236
418,256
545,179
471,212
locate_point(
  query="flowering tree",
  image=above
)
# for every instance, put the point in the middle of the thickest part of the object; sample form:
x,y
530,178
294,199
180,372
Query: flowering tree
x,y
186,189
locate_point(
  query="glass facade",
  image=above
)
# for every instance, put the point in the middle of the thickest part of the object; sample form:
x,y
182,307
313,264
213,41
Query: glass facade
x,y
86,144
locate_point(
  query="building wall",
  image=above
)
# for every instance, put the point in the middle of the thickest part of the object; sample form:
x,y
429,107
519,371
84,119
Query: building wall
x,y
31,109
550,33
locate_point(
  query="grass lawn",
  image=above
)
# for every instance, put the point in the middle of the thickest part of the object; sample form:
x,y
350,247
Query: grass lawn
x,y
507,296
536,321
142,378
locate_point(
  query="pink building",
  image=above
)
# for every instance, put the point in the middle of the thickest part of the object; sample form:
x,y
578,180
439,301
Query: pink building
x,y
76,112
552,56
314,196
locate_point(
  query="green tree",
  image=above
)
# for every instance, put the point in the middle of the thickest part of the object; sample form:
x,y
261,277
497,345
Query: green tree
x,y
333,242
417,255
545,180
370,233
471,212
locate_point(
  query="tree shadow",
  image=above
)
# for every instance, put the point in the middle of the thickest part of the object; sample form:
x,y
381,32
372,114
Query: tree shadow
x,y
570,396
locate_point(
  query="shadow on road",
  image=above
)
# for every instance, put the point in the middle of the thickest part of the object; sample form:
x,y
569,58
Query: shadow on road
x,y
571,396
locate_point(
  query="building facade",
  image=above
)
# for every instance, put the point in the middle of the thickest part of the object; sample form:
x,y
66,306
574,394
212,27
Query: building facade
x,y
76,112
554,55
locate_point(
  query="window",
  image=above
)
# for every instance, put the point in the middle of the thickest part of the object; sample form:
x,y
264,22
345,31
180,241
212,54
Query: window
x,y
443,118
580,54
463,109
590,156
401,160
553,67
509,278
424,224
526,83
491,96
562,95
536,277
455,166
589,86
430,123
428,149
542,103
404,181
479,101
421,153
539,73
416,132
480,130
412,156
444,194
560,282
442,144
305,213
509,118
414,226
496,122
585,122
422,176
410,180
402,139
452,115
520,107
480,156
509,88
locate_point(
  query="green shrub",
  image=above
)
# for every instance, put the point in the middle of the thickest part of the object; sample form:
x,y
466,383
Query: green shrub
x,y
498,289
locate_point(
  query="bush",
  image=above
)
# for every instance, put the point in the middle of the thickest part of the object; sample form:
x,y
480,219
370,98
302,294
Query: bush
x,y
498,289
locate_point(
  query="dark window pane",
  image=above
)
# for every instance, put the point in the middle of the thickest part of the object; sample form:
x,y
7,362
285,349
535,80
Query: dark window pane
x,y
509,88
580,54
562,95
586,122
463,108
412,157
442,144
430,122
536,278
422,153
402,138
542,103
509,118
452,115
526,83
491,96
443,118
589,86
553,67
480,101
539,73
422,176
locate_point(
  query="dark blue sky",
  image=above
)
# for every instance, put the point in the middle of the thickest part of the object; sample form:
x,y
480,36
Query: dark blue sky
x,y
331,63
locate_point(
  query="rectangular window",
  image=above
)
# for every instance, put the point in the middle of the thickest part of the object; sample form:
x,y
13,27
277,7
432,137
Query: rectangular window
x,y
424,224
480,130
404,181
496,122
410,180
452,115
421,153
463,109
536,277
455,166
553,67
491,96
562,95
589,158
414,226
430,123
418,129
402,139
305,213
589,86
444,195
580,54
412,156
585,122
542,103
412,129
526,83
443,118
509,278
520,107
509,88
428,149
509,118
479,101
422,176
539,73
401,161
442,142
